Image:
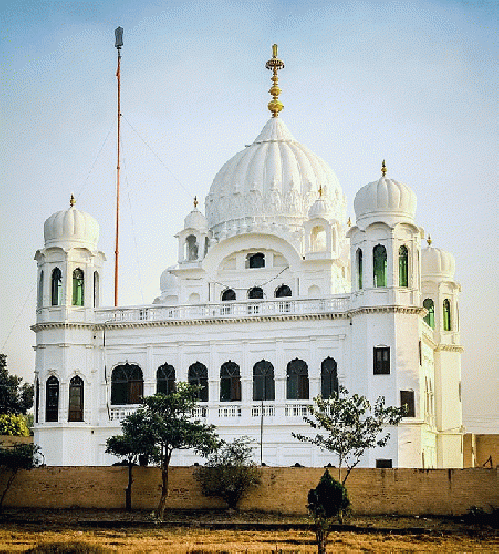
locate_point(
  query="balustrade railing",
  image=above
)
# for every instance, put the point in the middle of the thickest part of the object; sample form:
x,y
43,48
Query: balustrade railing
x,y
118,413
251,308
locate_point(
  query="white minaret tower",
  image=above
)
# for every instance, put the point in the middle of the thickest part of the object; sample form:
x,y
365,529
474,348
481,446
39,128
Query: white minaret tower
x,y
386,316
69,290
440,297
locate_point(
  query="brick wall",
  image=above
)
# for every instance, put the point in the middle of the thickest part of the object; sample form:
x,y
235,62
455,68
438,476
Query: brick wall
x,y
481,449
372,491
7,440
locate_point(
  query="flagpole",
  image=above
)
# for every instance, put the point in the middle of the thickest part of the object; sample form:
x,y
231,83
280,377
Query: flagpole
x,y
119,44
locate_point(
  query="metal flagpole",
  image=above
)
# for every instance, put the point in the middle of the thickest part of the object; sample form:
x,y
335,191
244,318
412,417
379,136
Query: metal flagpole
x,y
119,44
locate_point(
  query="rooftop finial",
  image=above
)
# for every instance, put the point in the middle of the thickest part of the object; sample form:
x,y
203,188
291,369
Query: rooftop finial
x,y
321,190
275,105
349,222
72,201
383,168
428,240
196,202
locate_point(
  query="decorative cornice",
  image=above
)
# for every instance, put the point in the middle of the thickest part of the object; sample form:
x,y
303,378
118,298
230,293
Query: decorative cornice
x,y
449,348
415,310
412,310
61,325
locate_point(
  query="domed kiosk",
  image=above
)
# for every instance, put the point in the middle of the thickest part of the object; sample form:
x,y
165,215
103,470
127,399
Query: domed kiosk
x,y
275,298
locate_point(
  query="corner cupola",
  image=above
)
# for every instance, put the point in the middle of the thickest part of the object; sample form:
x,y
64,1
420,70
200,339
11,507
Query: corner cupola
x,y
385,200
70,228
437,263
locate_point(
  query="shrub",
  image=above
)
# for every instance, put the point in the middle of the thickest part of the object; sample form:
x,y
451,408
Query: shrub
x,y
327,501
13,425
230,472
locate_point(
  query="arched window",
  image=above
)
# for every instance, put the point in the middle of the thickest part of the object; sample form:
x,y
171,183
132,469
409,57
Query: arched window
x,y
40,290
230,382
56,287
37,399
78,288
329,378
429,318
255,261
359,268
191,248
127,384
198,375
283,291
228,295
52,400
206,245
314,291
256,293
297,380
403,266
263,381
165,379
76,390
96,289
379,266
447,319
318,239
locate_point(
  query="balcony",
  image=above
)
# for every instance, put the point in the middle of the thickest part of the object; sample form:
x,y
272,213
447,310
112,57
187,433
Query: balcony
x,y
224,310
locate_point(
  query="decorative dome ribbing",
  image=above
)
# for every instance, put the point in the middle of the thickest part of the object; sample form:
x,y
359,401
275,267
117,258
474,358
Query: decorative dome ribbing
x,y
437,263
274,180
71,226
385,200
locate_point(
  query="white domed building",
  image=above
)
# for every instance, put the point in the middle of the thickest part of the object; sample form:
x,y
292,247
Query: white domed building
x,y
275,299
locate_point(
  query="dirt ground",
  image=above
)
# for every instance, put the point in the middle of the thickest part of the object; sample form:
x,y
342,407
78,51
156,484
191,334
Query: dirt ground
x,y
196,533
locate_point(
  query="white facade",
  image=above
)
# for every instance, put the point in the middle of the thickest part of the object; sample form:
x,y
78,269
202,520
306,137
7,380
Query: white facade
x,y
274,274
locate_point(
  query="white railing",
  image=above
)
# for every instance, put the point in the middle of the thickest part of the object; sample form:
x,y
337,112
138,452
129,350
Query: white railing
x,y
229,411
249,308
268,411
200,412
118,413
296,410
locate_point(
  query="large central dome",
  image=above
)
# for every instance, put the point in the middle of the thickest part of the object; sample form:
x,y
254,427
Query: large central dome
x,y
274,181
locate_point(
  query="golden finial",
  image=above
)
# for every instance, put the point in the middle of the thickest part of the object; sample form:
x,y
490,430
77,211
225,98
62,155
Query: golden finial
x,y
275,105
383,168
196,202
349,222
321,190
428,240
72,201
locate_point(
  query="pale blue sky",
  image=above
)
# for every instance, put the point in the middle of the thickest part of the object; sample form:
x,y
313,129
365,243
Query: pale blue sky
x,y
413,82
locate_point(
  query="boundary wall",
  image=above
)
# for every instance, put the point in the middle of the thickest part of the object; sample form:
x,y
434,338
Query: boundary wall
x,y
372,491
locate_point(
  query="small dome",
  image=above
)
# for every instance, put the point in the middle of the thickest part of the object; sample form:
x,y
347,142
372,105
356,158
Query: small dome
x,y
272,181
196,220
437,263
71,226
168,282
385,200
318,209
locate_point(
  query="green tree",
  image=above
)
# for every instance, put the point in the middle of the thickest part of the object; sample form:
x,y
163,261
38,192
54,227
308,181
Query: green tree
x,y
14,458
230,472
134,445
327,501
350,428
14,397
13,425
167,418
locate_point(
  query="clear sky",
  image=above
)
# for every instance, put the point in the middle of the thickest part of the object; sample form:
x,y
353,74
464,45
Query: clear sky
x,y
413,82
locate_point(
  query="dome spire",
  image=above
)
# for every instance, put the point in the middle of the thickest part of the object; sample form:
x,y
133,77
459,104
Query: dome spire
x,y
275,105
72,201
383,168
428,240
